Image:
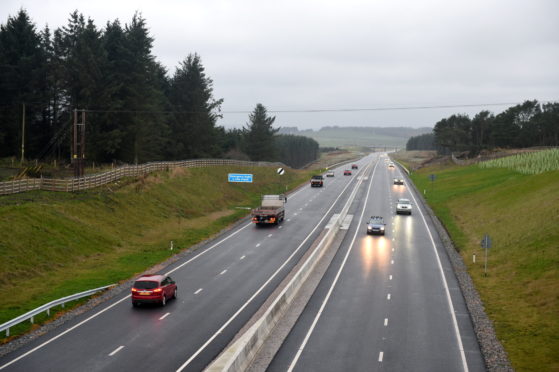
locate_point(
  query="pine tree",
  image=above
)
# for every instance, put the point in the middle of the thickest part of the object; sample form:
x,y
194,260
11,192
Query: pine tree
x,y
191,96
259,137
21,80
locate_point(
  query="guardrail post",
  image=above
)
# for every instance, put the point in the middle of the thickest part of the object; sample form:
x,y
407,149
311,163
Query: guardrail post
x,y
7,332
32,319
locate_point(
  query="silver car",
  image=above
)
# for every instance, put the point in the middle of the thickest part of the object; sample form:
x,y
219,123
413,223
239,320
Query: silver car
x,y
403,206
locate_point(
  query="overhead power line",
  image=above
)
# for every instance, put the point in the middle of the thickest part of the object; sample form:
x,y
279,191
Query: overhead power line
x,y
389,108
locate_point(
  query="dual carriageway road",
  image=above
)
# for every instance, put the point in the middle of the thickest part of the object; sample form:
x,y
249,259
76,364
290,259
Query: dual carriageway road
x,y
382,304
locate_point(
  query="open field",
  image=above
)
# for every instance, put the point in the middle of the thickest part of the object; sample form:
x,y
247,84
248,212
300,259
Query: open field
x,y
55,244
521,214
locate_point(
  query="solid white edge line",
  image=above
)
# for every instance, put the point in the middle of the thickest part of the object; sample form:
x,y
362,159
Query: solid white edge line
x,y
117,350
116,303
63,333
193,356
445,284
331,289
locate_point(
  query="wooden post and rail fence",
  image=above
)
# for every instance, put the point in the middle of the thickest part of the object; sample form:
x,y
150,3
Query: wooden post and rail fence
x,y
96,180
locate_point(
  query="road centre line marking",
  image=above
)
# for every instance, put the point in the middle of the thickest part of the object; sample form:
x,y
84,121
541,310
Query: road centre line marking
x,y
325,301
388,297
223,272
117,350
209,249
234,316
242,257
385,322
380,356
445,284
198,291
164,316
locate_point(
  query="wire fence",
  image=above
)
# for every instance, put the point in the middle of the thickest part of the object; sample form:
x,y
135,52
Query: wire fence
x,y
95,180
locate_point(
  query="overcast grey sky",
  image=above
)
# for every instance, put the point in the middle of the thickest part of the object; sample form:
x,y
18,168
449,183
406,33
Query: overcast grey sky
x,y
316,54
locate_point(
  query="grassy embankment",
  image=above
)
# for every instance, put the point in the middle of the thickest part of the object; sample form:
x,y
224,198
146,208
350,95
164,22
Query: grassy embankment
x,y
521,214
56,244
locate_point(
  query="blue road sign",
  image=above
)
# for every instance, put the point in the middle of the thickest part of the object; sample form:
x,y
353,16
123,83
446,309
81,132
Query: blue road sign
x,y
486,242
235,177
432,177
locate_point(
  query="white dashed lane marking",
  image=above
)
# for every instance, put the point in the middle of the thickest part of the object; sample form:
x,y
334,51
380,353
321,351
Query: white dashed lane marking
x,y
164,316
385,322
388,297
117,350
269,235
198,291
380,356
390,277
223,272
242,257
257,245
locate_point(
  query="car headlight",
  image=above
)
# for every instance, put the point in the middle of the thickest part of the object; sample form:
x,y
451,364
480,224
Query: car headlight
x,y
382,228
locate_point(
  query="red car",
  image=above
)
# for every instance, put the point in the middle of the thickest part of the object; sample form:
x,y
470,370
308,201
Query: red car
x,y
153,289
347,172
354,166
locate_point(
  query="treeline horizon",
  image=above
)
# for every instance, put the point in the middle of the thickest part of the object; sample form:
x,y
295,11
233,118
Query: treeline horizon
x,y
135,110
528,124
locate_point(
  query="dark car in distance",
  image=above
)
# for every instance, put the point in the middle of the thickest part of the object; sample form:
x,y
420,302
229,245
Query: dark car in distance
x,y
153,289
354,166
376,225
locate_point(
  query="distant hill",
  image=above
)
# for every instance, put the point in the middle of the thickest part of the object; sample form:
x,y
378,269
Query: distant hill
x,y
359,136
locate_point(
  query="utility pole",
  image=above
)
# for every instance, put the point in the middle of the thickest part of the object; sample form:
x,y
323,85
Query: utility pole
x,y
23,134
78,144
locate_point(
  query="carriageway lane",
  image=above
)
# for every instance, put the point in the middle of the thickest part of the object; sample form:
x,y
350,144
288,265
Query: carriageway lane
x,y
217,288
388,309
